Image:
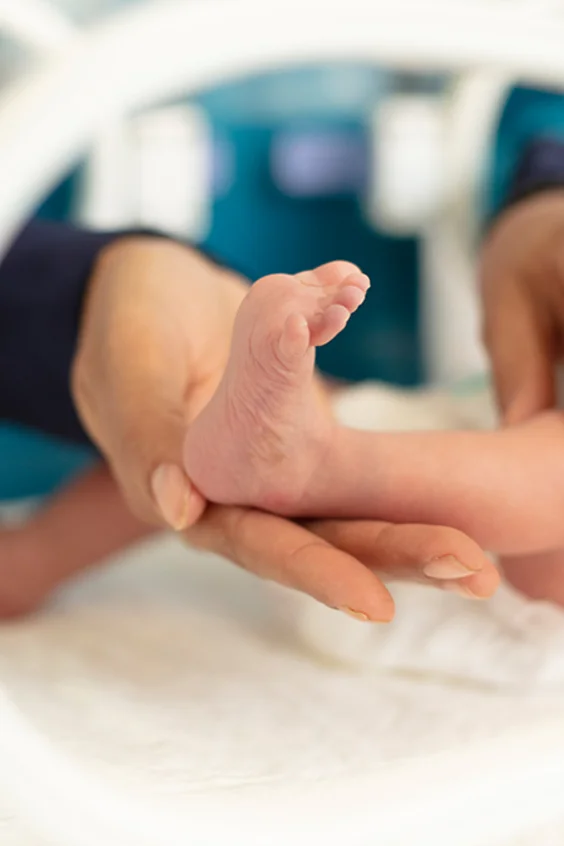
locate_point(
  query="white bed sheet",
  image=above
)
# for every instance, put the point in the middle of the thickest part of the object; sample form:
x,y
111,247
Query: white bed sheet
x,y
172,699
166,701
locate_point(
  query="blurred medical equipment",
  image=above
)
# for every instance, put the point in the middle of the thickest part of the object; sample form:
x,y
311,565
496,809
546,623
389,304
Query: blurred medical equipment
x,y
278,178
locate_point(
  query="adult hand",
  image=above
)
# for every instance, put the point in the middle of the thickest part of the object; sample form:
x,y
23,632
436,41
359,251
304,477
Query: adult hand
x,y
522,281
343,563
155,339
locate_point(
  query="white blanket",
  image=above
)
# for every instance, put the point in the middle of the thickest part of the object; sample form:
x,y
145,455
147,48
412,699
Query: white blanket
x,y
172,699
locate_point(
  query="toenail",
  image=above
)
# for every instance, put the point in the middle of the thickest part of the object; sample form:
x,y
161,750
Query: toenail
x,y
446,567
171,492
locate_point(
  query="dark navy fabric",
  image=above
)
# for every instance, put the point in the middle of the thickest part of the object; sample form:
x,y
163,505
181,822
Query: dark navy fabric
x,y
42,283
541,168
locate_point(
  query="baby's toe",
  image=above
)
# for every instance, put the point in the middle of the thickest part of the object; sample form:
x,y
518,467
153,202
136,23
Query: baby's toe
x,y
334,316
295,338
328,323
353,292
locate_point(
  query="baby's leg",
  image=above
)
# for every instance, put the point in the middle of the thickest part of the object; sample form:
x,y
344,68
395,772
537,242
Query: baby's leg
x,y
84,524
505,488
264,440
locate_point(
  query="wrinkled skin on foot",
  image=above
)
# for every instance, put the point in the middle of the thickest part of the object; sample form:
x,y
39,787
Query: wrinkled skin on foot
x,y
265,433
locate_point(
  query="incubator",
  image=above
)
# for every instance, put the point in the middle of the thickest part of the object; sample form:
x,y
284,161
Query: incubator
x,y
169,698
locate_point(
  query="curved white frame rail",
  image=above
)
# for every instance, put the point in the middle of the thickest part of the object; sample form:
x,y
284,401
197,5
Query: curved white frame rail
x,y
35,24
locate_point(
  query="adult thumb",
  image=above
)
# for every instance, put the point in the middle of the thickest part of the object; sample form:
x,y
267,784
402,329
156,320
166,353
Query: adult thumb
x,y
520,345
139,421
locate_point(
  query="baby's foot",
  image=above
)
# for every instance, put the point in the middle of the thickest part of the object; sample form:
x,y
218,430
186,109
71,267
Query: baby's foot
x,y
263,437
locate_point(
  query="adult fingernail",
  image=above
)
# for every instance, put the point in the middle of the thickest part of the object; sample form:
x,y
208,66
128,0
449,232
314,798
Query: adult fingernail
x,y
356,615
171,492
446,567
